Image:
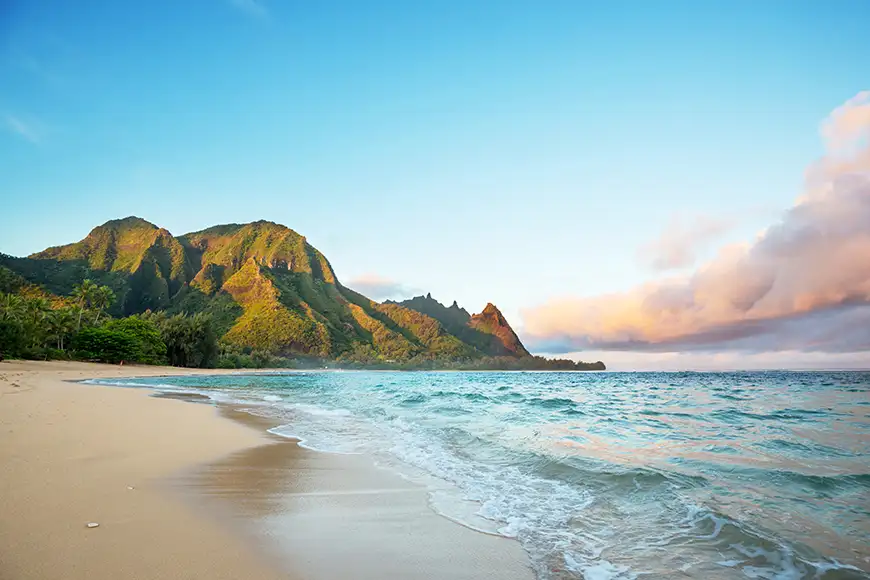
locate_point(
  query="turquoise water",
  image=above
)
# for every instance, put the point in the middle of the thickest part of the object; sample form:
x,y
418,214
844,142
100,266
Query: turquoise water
x,y
609,475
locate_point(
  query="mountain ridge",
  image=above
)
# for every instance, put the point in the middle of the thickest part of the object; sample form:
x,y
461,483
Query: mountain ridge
x,y
487,330
267,289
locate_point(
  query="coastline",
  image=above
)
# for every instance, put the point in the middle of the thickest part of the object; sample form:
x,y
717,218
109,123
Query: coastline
x,y
307,507
72,452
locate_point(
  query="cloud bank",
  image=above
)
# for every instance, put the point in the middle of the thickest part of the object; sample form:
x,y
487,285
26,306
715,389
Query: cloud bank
x,y
802,285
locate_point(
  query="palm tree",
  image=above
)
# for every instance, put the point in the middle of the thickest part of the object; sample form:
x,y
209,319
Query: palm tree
x,y
11,307
12,316
103,298
84,294
37,312
62,323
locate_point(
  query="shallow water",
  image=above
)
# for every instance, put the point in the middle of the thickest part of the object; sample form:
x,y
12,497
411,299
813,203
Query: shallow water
x,y
608,475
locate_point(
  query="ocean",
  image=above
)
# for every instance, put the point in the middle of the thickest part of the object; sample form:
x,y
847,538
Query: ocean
x,y
606,475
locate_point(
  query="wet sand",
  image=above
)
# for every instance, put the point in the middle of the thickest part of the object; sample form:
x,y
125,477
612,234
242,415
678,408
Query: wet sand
x,y
212,498
338,516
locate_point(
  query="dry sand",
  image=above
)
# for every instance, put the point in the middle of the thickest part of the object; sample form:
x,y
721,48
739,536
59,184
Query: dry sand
x,y
70,452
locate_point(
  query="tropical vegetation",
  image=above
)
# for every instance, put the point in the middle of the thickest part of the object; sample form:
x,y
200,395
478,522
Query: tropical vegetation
x,y
33,326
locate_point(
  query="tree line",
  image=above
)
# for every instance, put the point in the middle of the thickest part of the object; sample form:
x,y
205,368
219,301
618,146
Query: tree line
x,y
36,326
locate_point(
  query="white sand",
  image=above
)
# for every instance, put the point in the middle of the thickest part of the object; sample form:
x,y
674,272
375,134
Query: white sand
x,y
69,453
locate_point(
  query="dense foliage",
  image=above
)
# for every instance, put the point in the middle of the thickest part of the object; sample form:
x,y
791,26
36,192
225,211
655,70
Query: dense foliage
x,y
190,340
32,326
232,357
104,345
151,349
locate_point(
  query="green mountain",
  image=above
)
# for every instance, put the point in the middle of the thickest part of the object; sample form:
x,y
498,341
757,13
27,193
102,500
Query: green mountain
x,y
150,265
267,289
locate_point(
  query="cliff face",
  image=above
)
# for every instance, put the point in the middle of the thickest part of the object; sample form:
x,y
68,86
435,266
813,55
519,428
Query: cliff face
x,y
492,322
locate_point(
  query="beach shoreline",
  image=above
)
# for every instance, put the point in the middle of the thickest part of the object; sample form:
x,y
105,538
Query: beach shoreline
x,y
180,491
304,506
75,454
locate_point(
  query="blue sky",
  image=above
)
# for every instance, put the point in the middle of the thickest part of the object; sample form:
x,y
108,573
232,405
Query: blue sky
x,y
512,152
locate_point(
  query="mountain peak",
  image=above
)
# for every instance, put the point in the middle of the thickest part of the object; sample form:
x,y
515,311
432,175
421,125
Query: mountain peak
x,y
131,246
272,245
489,332
234,228
127,223
492,321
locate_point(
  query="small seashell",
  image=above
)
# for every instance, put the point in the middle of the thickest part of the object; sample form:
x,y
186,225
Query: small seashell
x,y
93,524
130,487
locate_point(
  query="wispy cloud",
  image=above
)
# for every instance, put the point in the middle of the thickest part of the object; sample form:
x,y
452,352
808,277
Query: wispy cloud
x,y
28,130
379,288
255,8
804,284
683,239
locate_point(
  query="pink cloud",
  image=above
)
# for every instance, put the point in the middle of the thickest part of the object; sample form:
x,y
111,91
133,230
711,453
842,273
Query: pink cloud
x,y
681,240
379,288
814,264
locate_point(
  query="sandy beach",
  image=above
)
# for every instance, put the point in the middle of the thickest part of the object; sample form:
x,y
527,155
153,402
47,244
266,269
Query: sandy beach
x,y
181,491
71,452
